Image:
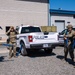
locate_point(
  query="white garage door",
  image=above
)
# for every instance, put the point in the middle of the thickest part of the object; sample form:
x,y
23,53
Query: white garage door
x,y
60,25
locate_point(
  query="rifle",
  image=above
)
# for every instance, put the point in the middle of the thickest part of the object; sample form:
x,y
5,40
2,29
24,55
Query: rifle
x,y
9,45
66,40
5,44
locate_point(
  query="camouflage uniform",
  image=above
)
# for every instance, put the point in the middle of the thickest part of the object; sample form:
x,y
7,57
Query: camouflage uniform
x,y
12,37
69,47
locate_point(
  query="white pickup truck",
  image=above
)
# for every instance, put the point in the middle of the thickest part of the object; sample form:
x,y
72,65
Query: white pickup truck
x,y
31,37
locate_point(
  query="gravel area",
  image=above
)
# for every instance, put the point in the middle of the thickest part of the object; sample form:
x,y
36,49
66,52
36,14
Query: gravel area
x,y
37,63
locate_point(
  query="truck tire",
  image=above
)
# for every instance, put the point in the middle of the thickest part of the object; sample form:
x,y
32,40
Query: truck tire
x,y
48,51
23,49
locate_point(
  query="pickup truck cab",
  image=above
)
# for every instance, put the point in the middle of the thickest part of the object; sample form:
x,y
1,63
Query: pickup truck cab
x,y
32,37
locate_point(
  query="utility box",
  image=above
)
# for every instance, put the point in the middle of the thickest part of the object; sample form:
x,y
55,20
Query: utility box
x,y
49,28
46,28
53,28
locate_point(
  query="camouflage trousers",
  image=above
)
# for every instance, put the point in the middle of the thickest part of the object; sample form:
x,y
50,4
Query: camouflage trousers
x,y
12,49
69,49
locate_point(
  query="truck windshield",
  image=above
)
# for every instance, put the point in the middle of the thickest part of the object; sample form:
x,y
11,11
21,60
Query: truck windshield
x,y
64,32
30,29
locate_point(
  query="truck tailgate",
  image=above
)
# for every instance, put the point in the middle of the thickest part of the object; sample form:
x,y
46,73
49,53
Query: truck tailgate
x,y
40,38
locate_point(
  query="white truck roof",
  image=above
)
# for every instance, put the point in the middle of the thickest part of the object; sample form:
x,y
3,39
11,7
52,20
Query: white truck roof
x,y
27,26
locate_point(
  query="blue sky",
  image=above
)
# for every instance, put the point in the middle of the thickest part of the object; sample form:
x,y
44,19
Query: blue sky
x,y
64,4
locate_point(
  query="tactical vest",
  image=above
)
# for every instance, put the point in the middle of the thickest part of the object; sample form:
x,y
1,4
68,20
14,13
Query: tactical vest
x,y
69,38
12,36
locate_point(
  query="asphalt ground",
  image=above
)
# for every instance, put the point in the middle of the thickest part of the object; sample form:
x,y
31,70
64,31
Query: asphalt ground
x,y
36,63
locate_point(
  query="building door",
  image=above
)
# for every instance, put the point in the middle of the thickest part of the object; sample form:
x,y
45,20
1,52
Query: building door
x,y
60,25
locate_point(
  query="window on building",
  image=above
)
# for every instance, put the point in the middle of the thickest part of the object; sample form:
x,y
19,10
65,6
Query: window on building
x,y
1,28
7,28
68,22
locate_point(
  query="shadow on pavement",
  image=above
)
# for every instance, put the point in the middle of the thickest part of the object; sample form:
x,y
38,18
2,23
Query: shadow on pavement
x,y
2,59
39,54
68,60
60,57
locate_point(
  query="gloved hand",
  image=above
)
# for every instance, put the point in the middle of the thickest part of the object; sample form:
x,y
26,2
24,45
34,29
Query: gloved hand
x,y
65,37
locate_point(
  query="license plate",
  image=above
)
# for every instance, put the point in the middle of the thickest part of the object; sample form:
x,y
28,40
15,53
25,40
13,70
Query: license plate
x,y
60,38
45,45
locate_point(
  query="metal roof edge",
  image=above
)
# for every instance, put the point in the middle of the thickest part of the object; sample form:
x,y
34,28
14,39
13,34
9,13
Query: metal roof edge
x,y
40,1
55,11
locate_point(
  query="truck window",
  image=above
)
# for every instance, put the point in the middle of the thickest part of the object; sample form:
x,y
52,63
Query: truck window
x,y
64,32
17,28
30,29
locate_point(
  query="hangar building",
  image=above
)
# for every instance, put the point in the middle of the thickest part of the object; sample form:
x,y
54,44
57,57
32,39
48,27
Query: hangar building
x,y
27,12
61,18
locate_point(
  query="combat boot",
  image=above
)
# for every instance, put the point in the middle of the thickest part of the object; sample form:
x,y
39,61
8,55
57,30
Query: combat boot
x,y
10,57
15,56
73,60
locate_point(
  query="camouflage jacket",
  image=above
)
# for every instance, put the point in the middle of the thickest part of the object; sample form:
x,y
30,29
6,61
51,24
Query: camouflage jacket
x,y
12,35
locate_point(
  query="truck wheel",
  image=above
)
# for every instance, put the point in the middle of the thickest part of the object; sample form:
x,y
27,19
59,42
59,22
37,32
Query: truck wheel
x,y
23,49
49,51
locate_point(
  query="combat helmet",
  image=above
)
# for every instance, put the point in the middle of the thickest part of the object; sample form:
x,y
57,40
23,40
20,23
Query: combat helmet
x,y
12,27
69,26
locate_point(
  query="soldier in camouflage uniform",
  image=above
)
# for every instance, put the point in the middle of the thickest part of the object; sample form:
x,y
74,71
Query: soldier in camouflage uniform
x,y
12,37
69,46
